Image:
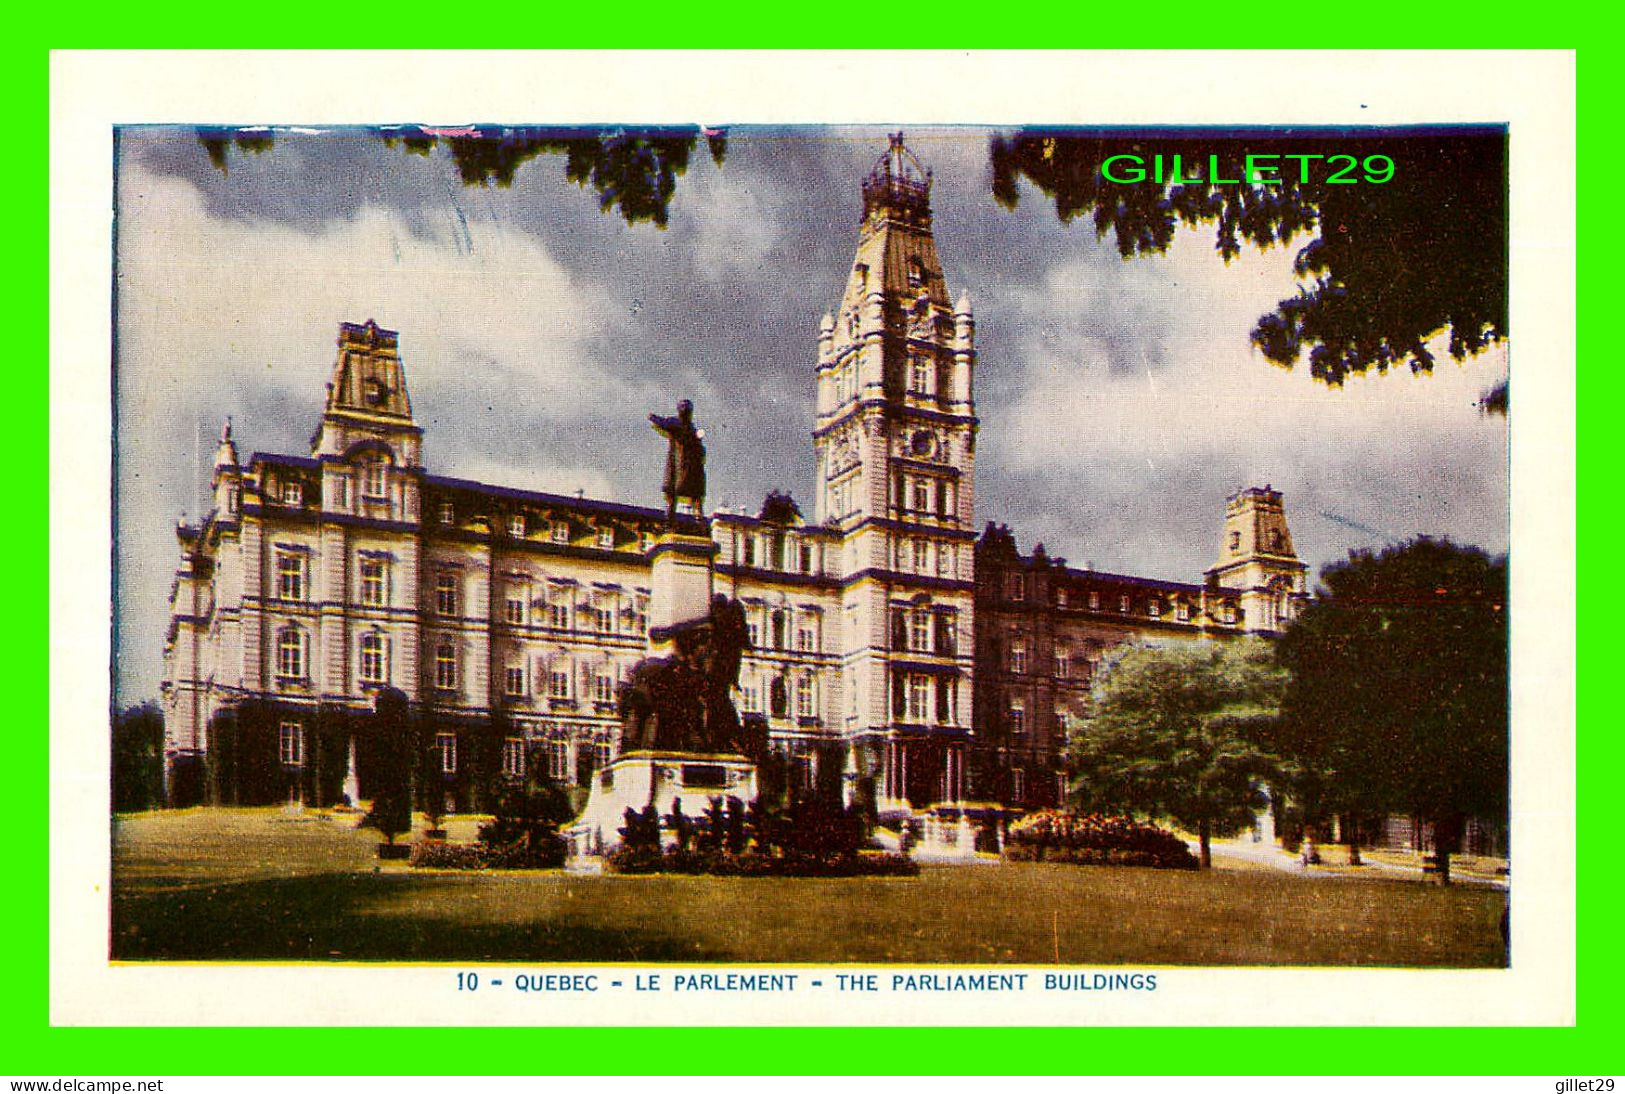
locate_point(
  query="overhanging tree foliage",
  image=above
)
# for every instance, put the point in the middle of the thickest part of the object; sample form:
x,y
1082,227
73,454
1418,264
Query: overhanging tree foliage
x,y
1389,264
1181,733
1398,697
633,171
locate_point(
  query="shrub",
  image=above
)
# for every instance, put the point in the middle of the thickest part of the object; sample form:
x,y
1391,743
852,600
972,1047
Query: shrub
x,y
435,855
1096,840
630,860
523,833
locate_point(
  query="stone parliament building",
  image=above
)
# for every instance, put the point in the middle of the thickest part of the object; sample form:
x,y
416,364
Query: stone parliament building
x,y
889,643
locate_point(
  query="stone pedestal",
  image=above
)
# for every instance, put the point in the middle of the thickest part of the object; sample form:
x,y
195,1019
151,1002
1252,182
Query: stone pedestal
x,y
638,779
680,578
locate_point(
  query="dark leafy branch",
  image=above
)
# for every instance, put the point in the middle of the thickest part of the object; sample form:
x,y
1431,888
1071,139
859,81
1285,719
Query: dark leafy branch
x,y
633,171
1387,265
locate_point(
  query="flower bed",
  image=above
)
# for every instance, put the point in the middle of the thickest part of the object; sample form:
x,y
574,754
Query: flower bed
x,y
1096,840
627,860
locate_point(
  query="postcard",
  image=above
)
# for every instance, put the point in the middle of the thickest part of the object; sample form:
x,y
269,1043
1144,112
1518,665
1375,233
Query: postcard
x,y
1035,560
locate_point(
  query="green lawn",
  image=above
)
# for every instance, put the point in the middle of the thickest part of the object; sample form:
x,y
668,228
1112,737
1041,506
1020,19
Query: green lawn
x,y
261,885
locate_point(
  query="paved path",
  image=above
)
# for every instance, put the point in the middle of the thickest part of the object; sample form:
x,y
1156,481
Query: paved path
x,y
1273,855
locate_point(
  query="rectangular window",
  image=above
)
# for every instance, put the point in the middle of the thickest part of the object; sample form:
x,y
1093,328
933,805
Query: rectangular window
x,y
514,681
516,525
804,697
290,653
1229,612
806,632
921,501
947,639
448,513
919,697
558,683
606,538
749,545
1060,598
447,744
752,696
292,493
445,666
1122,603
1094,601
1017,587
1063,666
375,480
292,744
807,558
1018,720
919,374
515,609
1183,612
374,658
558,614
373,582
1018,784
945,560
290,575
922,556
341,492
513,757
1018,657
919,630
1155,607
603,688
753,629
560,531
558,761
445,593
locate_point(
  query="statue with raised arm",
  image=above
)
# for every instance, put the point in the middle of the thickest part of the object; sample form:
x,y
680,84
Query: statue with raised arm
x,y
685,460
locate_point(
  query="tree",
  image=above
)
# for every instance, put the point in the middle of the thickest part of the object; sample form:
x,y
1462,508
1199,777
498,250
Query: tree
x,y
138,758
392,728
633,171
1390,263
1399,682
1180,733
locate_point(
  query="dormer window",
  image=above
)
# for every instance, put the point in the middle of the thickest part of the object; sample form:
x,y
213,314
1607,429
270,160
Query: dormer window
x,y
292,494
448,513
606,538
561,531
516,525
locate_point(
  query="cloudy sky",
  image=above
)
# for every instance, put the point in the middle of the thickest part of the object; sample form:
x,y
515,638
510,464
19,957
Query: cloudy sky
x,y
1120,400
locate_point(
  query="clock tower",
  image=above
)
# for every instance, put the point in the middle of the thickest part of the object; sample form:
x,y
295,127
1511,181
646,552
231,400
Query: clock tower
x,y
895,443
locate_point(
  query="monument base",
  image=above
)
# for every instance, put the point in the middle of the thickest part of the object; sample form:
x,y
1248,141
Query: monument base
x,y
636,780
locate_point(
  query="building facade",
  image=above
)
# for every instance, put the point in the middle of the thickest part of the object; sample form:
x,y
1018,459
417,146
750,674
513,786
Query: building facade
x,y
890,647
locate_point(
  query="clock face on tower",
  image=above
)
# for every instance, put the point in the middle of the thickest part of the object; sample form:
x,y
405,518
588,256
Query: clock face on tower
x,y
922,445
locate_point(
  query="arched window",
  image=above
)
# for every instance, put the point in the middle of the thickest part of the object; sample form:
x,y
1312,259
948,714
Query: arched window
x,y
290,653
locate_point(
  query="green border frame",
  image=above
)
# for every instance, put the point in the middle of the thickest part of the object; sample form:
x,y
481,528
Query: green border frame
x,y
34,1048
